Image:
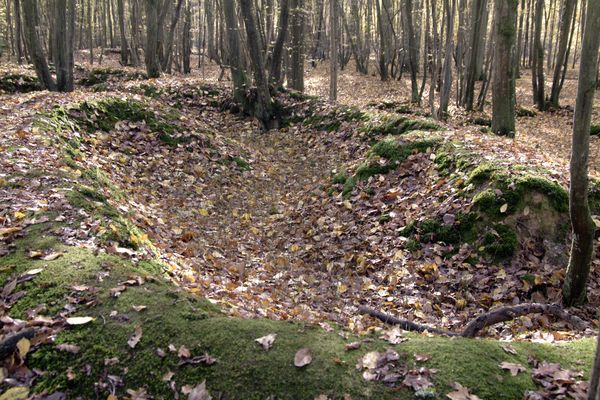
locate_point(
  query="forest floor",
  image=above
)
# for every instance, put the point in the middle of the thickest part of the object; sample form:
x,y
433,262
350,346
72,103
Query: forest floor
x,y
129,202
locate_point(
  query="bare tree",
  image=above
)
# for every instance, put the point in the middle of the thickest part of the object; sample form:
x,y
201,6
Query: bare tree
x,y
503,93
333,39
582,248
537,68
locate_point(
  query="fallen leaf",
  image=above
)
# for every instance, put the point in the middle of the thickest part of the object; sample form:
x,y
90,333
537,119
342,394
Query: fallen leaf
x,y
461,393
23,346
509,349
504,207
52,256
135,338
353,346
266,341
33,271
15,393
79,320
183,352
139,308
512,367
199,393
168,376
69,348
421,357
302,357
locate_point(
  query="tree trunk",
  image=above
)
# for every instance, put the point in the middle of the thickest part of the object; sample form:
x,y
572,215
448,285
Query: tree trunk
x,y
519,42
263,106
168,45
64,27
238,75
537,71
36,51
151,51
296,79
594,389
412,52
275,72
447,69
187,40
503,91
471,68
582,248
333,38
561,60
18,43
123,34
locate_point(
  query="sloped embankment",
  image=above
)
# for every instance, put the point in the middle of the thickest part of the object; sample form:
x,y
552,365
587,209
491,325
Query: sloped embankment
x,y
81,273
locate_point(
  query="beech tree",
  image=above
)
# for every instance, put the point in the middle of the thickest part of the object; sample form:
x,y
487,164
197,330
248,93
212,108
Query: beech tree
x,y
503,94
582,247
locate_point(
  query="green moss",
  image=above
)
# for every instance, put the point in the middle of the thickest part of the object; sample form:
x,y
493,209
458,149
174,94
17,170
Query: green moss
x,y
243,370
339,178
482,173
500,242
332,120
242,164
595,130
395,125
525,112
482,121
102,75
392,152
19,83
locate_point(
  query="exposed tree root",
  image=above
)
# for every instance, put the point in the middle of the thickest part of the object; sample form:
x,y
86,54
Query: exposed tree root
x,y
492,317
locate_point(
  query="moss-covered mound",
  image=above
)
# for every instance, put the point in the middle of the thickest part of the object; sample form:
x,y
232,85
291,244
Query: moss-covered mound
x,y
103,115
510,205
103,75
237,367
333,119
392,106
385,124
19,83
595,130
383,157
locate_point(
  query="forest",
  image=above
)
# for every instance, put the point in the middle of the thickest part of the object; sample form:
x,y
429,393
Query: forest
x,y
299,199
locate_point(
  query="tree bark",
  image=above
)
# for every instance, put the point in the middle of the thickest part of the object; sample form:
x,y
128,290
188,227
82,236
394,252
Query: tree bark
x,y
263,106
151,51
503,91
168,45
333,38
18,43
412,52
36,51
296,79
582,247
447,68
123,34
187,40
477,10
561,59
537,68
238,75
275,72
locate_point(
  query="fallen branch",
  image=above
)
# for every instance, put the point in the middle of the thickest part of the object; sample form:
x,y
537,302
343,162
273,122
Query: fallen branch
x,y
9,344
509,313
404,324
492,317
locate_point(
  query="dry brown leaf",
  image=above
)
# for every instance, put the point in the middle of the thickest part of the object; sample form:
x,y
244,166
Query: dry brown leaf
x,y
302,357
461,393
135,338
266,342
512,367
